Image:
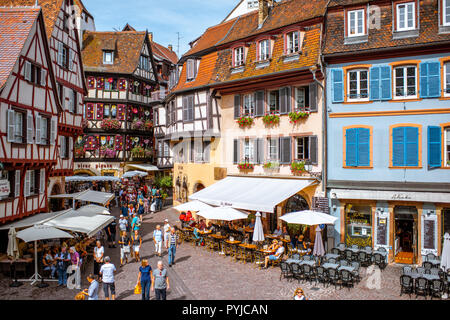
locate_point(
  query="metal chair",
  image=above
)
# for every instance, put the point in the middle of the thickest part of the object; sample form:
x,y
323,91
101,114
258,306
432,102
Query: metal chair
x,y
343,263
430,256
421,287
333,277
286,271
321,275
295,256
297,272
407,269
436,288
347,279
348,255
420,270
309,273
434,271
331,260
363,258
407,285
356,275
427,265
335,251
379,260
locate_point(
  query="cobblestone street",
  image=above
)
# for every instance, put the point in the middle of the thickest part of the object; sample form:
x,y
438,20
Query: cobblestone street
x,y
200,274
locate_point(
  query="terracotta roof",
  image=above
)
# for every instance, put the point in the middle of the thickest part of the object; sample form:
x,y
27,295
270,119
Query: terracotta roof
x,y
127,46
336,3
383,37
164,53
15,26
50,10
80,4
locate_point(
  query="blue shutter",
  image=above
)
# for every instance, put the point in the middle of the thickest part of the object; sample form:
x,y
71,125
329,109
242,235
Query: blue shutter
x,y
337,87
375,83
434,79
351,155
385,79
434,146
398,147
424,80
412,146
363,147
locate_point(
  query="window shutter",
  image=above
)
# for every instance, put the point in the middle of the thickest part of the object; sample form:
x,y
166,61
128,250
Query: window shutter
x,y
191,152
237,106
60,53
351,140
260,154
282,102
313,150
17,183
412,146
27,183
43,77
385,79
70,148
375,85
185,104
27,74
313,97
363,140
285,150
191,107
70,101
236,149
70,59
424,80
398,142
259,98
11,126
62,146
434,146
90,112
337,85
254,143
53,131
288,100
30,130
38,129
434,79
42,181
99,111
206,151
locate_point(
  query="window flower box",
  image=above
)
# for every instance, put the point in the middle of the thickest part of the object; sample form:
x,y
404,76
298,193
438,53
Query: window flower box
x,y
80,152
271,119
271,165
138,152
245,121
137,124
296,116
148,125
108,124
245,166
298,167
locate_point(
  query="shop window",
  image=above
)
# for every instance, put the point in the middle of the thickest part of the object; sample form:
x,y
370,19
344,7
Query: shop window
x,y
358,225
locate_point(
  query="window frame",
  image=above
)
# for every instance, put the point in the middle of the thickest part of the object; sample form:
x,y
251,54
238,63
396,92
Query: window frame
x,y
268,53
287,41
349,23
445,80
296,146
23,130
307,106
252,106
358,82
236,55
269,152
445,146
105,53
248,145
445,3
397,16
277,102
391,145
47,132
405,81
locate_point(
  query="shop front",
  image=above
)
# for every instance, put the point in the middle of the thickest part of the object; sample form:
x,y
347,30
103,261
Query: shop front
x,y
358,224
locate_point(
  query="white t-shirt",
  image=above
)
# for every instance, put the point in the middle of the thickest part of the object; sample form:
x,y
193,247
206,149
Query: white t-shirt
x,y
166,228
123,223
302,298
280,251
98,252
107,271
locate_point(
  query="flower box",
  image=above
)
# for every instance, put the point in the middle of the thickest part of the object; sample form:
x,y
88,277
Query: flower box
x,y
245,166
271,165
137,125
245,121
296,116
298,168
108,124
271,119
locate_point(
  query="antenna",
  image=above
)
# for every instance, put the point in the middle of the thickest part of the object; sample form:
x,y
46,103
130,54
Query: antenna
x,y
178,44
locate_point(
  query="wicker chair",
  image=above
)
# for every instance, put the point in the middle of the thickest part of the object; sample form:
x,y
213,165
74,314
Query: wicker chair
x,y
277,262
420,270
322,275
427,265
297,272
258,258
364,259
347,278
430,256
407,269
286,271
295,256
331,260
434,271
309,273
333,277
239,253
335,251
307,258
421,287
436,288
379,260
349,255
356,275
355,246
407,285
343,263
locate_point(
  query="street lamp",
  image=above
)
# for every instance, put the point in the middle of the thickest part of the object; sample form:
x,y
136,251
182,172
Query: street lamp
x,y
308,165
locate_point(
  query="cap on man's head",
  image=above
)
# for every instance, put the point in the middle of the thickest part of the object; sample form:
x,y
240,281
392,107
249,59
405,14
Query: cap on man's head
x,y
121,216
167,220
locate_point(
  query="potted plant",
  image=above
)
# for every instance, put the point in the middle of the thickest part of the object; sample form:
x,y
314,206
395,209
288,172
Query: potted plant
x,y
148,153
298,167
137,151
148,125
245,166
271,119
79,152
272,166
245,121
109,124
296,116
137,124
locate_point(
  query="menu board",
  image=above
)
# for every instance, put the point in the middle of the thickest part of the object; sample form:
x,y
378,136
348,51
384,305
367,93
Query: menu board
x,y
428,234
382,231
321,204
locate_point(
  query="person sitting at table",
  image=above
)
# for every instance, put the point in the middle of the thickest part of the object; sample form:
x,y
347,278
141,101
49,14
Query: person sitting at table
x,y
252,223
202,225
182,219
301,245
273,257
273,246
198,239
294,241
211,227
49,263
240,227
277,231
285,232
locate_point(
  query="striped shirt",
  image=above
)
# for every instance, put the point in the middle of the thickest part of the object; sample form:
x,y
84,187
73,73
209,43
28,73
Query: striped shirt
x,y
173,239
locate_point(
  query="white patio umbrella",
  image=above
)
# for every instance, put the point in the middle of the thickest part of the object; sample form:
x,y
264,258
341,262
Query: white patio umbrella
x,y
93,208
308,217
193,206
258,232
36,233
445,257
131,174
13,248
319,249
222,213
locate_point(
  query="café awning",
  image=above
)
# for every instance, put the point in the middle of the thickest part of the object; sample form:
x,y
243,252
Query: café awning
x,y
35,219
87,195
438,197
251,193
142,167
91,178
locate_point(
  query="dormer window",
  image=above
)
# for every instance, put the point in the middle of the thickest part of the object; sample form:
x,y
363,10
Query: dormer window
x,y
144,63
108,57
191,69
406,16
238,56
292,41
252,4
263,50
356,26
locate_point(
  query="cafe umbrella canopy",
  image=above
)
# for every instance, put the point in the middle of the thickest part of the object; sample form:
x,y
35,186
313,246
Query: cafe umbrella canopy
x,y
222,213
308,217
193,206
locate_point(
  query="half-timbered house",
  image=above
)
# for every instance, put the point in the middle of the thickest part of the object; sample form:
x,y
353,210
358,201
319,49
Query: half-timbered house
x,y
29,110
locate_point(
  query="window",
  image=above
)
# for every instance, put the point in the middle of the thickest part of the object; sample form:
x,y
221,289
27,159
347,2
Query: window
x,y
292,42
249,150
35,74
73,101
63,55
17,126
405,147
446,13
249,104
406,82
274,101
302,150
108,57
263,50
191,69
356,25
447,77
63,147
406,19
109,111
251,4
111,84
45,128
357,147
188,108
447,147
166,149
238,56
144,63
301,99
358,85
272,149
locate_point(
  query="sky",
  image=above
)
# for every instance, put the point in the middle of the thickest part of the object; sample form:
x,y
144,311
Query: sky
x,y
162,17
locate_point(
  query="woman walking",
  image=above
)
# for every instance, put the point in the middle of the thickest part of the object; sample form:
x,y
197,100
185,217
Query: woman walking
x,y
144,278
158,239
99,251
137,242
124,243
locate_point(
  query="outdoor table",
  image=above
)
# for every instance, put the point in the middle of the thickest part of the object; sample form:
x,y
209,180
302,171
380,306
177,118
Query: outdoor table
x,y
205,233
332,256
218,238
248,230
330,265
289,261
415,275
435,261
311,263
248,247
348,268
266,252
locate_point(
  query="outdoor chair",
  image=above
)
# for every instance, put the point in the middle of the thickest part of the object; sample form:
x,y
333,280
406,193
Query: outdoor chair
x,y
239,253
309,273
259,259
333,277
407,285
368,248
421,287
290,249
307,258
341,246
355,246
363,258
277,262
335,251
430,256
347,279
379,260
427,265
227,248
248,255
381,249
355,272
436,288
434,271
295,256
407,269
297,272
331,260
343,263
420,270
349,255
322,275
286,271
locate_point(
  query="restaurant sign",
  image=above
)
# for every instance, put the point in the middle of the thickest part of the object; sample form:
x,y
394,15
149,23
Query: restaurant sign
x,y
4,188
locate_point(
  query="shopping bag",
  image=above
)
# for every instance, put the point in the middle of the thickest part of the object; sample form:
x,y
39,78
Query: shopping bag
x,y
138,289
153,207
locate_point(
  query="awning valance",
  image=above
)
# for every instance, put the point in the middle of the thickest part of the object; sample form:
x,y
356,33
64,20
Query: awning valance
x,y
143,167
434,197
35,219
248,193
91,178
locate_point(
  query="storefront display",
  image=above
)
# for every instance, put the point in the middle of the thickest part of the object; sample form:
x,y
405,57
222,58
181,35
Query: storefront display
x,y
358,221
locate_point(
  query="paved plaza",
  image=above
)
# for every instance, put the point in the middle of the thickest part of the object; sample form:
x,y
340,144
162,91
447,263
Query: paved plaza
x,y
200,274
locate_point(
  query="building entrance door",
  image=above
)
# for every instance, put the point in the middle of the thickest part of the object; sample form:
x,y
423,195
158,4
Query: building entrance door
x,y
405,234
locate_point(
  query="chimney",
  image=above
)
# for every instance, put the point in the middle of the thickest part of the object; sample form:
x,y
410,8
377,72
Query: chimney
x,y
150,36
263,11
170,47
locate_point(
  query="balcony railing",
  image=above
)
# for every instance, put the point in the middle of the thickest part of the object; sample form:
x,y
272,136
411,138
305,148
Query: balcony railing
x,y
158,95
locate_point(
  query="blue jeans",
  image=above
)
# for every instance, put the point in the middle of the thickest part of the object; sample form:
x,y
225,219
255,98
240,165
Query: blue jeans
x,y
52,268
145,289
62,276
160,294
158,204
172,251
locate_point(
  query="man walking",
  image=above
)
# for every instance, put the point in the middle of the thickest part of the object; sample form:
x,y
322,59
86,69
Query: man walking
x,y
123,224
173,242
107,273
158,239
63,261
160,282
166,230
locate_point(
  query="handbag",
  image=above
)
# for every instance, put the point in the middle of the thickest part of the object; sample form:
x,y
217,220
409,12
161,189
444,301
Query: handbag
x,y
138,289
126,249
